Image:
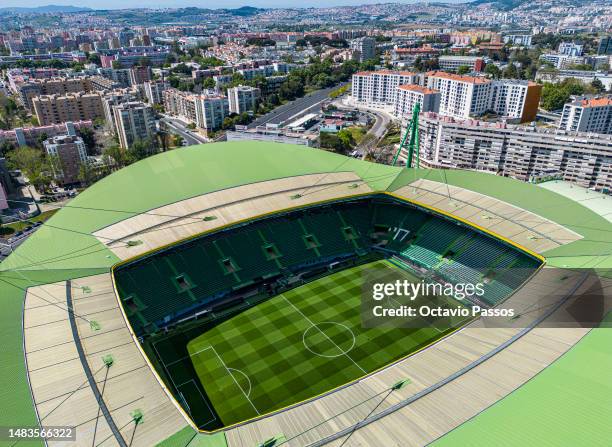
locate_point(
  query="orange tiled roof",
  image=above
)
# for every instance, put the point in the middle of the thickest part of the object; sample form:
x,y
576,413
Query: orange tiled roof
x,y
459,78
597,102
418,88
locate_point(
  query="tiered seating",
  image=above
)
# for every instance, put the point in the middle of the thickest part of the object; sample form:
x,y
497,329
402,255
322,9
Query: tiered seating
x,y
235,245
451,250
327,227
288,239
201,263
360,218
482,254
434,237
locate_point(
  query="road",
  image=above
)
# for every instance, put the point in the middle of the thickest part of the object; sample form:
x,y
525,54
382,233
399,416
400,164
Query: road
x,y
378,129
178,127
294,109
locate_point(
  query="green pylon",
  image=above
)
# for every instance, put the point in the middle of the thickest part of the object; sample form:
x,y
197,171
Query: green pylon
x,y
412,131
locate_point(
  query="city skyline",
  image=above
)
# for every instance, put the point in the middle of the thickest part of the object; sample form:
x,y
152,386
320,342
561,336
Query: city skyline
x,y
132,4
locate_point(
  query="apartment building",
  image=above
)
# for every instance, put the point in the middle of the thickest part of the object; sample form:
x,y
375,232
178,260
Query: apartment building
x,y
515,99
461,96
154,91
211,111
243,98
588,114
180,104
452,63
30,89
68,154
100,83
521,152
119,75
518,39
115,98
584,76
134,121
409,95
561,61
570,49
140,75
51,109
206,111
380,87
465,96
366,48
30,136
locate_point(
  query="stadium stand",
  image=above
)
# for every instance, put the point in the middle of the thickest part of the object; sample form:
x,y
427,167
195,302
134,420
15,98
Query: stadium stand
x,y
168,285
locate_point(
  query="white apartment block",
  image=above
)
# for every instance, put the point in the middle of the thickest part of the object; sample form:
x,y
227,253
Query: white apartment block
x,y
243,98
409,95
461,96
154,91
134,121
366,47
570,49
586,114
520,152
518,39
515,99
561,61
380,87
206,111
211,111
584,76
466,96
452,63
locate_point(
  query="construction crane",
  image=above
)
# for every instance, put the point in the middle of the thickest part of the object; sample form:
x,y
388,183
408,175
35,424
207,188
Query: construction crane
x,y
412,134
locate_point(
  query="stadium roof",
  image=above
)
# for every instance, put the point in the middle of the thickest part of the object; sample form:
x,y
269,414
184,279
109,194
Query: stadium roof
x,y
64,247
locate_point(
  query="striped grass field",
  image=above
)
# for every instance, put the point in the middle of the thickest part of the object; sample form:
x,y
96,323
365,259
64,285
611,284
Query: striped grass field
x,y
297,345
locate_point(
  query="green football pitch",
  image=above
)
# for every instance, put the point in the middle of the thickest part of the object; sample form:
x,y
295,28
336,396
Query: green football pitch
x,y
297,345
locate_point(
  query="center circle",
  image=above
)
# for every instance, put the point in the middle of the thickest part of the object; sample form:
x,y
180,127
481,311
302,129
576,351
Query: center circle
x,y
319,330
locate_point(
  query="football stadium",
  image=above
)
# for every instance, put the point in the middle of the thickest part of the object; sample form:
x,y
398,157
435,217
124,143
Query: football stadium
x,y
224,295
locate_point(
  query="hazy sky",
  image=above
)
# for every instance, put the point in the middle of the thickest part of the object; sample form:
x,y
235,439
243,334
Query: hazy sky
x,y
116,4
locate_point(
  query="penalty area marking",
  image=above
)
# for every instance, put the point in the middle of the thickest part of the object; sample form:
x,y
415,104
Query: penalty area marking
x,y
342,351
248,393
231,375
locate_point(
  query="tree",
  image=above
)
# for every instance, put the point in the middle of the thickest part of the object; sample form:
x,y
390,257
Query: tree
x,y
347,138
493,71
510,71
8,112
6,147
86,174
554,96
178,140
94,58
463,69
88,136
34,164
597,85
209,83
117,155
142,149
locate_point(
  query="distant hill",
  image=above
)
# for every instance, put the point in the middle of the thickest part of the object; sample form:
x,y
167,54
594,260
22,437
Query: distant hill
x,y
244,11
507,5
43,9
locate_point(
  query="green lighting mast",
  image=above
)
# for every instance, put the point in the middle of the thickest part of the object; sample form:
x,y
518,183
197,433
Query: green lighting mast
x,y
412,130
